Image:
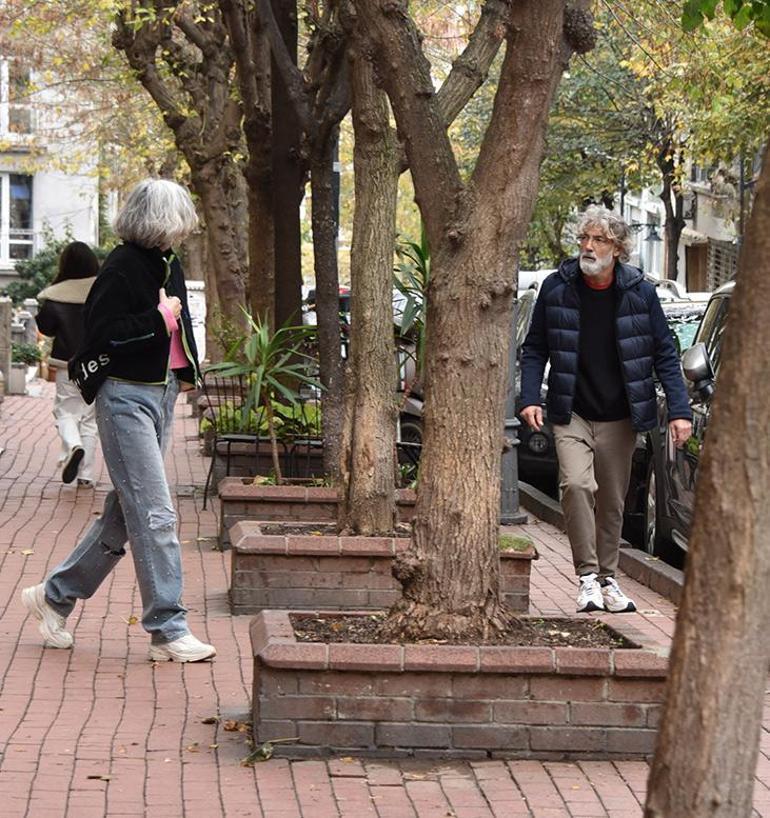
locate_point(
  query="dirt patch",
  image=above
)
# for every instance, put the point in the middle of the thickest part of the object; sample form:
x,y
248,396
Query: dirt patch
x,y
526,632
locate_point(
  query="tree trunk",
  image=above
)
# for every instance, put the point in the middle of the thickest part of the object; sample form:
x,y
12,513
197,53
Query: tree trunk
x,y
327,302
288,180
367,492
451,575
706,756
221,189
673,203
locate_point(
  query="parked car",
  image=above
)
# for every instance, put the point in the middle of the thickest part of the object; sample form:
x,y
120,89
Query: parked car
x,y
538,463
659,511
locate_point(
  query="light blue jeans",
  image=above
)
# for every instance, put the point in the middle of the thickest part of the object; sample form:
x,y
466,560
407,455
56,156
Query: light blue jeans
x,y
134,422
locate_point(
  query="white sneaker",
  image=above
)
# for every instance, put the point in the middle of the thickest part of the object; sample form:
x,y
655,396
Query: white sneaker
x,y
185,649
51,623
589,596
615,601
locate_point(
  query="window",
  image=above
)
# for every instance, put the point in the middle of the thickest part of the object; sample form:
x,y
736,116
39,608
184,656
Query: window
x,y
16,234
15,107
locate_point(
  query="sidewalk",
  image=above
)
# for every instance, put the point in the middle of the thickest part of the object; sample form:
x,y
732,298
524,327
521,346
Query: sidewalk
x,y
100,731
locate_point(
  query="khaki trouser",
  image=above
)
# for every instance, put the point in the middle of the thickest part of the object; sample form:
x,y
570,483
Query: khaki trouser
x,y
594,470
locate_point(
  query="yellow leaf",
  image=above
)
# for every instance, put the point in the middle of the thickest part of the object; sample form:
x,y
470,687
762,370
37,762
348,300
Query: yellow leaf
x,y
26,552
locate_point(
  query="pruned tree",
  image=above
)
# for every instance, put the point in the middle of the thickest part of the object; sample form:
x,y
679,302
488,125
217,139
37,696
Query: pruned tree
x,y
450,576
182,57
368,454
708,740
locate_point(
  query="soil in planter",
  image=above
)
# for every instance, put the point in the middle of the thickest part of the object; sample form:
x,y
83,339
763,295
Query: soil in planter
x,y
316,529
525,632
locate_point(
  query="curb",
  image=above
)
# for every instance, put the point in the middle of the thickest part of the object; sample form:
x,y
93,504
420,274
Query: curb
x,y
658,576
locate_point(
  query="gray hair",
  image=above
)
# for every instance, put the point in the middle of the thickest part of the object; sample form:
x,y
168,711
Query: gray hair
x,y
157,213
611,224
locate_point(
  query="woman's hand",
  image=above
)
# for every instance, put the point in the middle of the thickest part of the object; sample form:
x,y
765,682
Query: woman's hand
x,y
171,303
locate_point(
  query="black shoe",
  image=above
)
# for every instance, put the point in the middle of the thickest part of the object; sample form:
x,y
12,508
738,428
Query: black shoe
x,y
70,470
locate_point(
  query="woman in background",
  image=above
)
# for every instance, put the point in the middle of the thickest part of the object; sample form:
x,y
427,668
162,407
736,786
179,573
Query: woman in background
x,y
61,318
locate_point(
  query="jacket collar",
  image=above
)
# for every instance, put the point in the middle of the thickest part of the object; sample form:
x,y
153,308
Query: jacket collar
x,y
159,260
626,276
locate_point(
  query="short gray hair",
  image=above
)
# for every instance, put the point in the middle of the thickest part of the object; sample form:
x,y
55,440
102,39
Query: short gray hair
x,y
611,224
157,213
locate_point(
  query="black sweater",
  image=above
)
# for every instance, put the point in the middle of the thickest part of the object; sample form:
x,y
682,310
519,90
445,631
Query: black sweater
x,y
600,393
126,335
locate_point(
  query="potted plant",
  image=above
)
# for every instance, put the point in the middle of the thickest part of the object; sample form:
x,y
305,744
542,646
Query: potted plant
x,y
274,366
23,355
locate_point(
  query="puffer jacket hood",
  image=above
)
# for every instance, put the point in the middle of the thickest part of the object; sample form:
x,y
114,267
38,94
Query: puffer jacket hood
x,y
642,336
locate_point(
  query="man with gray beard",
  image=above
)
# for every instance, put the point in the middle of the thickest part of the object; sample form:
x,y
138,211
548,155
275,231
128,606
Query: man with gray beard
x,y
602,327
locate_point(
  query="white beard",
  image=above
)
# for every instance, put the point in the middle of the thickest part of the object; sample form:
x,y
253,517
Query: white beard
x,y
592,267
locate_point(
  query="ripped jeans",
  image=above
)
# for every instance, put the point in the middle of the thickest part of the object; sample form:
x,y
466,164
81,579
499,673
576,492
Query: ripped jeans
x,y
134,422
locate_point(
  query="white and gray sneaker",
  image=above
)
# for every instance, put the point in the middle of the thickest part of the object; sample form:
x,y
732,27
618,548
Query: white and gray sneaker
x,y
615,601
51,623
185,649
589,596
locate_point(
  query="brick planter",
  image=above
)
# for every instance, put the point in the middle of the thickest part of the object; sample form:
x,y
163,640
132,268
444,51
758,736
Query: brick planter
x,y
241,500
453,701
331,573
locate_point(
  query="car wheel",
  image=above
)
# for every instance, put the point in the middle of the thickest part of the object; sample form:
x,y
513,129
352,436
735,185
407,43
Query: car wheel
x,y
653,541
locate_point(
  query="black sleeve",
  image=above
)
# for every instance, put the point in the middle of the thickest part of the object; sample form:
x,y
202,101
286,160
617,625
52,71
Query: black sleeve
x,y
46,320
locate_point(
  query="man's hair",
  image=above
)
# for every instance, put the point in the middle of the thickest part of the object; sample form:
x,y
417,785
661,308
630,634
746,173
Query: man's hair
x,y
611,224
157,213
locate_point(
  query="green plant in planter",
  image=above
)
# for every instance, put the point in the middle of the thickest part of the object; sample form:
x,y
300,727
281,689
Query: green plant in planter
x,y
274,367
23,353
411,279
514,542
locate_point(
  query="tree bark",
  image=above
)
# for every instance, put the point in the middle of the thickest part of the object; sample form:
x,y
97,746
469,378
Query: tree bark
x,y
251,48
450,575
706,756
673,203
197,106
368,503
288,179
332,374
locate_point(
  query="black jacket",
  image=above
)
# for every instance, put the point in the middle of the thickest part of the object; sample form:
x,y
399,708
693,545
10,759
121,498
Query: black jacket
x,y
642,336
126,335
61,316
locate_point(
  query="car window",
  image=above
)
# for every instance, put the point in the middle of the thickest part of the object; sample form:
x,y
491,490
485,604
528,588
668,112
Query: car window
x,y
712,327
709,322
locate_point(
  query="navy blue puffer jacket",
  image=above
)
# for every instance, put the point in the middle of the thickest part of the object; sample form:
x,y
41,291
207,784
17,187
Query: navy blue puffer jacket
x,y
643,339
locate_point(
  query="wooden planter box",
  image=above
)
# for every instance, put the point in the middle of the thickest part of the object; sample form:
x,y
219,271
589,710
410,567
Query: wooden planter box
x,y
241,500
327,572
454,700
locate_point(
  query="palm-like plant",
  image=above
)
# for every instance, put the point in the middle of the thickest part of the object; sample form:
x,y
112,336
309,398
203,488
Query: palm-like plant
x,y
411,279
274,367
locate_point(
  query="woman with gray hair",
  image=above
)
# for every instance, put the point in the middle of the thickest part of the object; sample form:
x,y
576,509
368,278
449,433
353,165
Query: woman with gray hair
x,y
137,353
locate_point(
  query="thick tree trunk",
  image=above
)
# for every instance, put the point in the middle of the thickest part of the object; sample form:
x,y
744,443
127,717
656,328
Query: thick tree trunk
x,y
288,180
451,576
706,756
368,504
327,303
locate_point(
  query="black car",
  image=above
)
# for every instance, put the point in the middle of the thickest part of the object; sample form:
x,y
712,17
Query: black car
x,y
659,512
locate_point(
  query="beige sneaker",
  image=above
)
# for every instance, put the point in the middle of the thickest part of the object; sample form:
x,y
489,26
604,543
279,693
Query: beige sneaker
x,y
185,649
51,623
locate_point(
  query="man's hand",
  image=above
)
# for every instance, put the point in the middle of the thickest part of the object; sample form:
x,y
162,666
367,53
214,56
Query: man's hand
x,y
680,431
533,417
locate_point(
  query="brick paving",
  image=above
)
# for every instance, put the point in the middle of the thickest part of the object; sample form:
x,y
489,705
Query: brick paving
x,y
100,731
